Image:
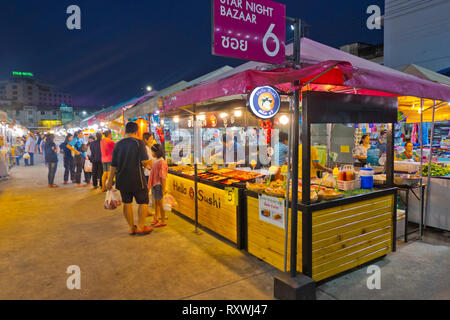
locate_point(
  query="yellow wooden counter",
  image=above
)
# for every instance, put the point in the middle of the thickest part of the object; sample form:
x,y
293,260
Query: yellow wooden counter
x,y
345,233
216,210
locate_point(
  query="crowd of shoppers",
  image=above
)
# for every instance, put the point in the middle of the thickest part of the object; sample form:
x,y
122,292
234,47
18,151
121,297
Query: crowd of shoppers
x,y
135,166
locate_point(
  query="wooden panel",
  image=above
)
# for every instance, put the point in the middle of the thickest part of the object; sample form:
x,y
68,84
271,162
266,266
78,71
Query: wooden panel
x,y
180,189
343,211
214,212
357,225
320,260
351,235
340,239
339,222
267,241
352,264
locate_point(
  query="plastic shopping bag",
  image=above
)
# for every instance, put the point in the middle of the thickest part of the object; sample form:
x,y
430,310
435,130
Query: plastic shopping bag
x,y
112,200
26,156
169,202
87,166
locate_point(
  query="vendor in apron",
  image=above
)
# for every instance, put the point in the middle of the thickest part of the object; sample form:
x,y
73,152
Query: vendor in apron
x,y
408,154
360,152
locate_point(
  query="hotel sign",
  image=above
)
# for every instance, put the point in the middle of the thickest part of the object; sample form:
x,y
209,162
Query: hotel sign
x,y
22,74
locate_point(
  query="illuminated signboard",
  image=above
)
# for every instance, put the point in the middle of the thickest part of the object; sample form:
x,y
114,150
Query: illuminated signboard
x,y
22,74
265,102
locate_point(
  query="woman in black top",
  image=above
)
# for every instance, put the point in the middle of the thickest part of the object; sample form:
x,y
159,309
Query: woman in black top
x,y
51,159
95,156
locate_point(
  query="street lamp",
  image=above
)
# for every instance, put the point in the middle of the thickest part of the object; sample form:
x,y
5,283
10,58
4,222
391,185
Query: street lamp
x,y
149,88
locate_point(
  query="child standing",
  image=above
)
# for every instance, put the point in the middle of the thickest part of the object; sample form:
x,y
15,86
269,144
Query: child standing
x,y
157,183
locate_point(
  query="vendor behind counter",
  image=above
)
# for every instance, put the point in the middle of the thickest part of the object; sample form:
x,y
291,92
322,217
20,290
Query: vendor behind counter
x,y
408,154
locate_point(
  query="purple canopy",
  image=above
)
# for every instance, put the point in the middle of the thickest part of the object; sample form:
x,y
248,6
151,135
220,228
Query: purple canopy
x,y
355,72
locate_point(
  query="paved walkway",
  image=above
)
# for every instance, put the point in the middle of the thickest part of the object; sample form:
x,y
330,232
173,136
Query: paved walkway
x,y
43,231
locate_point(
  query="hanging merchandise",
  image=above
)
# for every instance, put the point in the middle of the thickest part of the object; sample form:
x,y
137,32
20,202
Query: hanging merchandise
x,y
415,130
425,133
267,126
160,132
401,117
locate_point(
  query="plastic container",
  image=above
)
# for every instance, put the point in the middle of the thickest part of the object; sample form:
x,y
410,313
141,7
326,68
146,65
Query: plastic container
x,y
366,172
373,156
347,185
367,182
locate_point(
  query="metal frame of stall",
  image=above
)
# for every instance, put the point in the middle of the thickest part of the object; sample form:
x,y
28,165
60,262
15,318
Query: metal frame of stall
x,y
322,107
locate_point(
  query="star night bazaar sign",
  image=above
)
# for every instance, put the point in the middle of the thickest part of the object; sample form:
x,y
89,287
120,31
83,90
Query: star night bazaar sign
x,y
250,30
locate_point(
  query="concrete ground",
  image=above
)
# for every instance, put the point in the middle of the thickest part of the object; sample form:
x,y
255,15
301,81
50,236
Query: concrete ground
x,y
43,231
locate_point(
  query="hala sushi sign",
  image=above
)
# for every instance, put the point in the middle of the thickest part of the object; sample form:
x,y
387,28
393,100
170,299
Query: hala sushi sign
x,y
264,102
250,30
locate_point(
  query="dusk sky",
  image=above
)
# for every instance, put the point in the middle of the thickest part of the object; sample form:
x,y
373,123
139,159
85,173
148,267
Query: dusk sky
x,y
126,45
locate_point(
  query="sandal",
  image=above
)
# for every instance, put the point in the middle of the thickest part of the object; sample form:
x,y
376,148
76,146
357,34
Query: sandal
x,y
146,230
155,222
160,225
134,231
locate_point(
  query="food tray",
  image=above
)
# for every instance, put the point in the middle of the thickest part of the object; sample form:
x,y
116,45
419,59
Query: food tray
x,y
329,197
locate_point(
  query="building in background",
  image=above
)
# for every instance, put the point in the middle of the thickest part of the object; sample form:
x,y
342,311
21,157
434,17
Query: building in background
x,y
366,51
23,89
35,104
417,32
40,118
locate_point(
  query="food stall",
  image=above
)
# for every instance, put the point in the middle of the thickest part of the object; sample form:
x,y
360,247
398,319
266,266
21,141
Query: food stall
x,y
430,210
229,139
348,227
338,230
4,145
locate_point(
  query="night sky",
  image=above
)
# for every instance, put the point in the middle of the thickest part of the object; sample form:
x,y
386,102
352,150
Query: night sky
x,y
126,45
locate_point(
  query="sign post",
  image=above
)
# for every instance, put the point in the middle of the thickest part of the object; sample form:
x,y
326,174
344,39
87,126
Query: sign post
x,y
250,30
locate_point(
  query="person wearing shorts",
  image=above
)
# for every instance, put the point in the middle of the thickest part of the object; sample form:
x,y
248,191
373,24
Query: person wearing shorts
x,y
107,148
128,159
157,183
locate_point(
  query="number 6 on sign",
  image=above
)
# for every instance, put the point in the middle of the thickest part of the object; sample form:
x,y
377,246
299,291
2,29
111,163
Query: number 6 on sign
x,y
270,34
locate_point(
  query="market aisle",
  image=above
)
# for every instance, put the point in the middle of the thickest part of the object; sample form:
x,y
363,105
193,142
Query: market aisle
x,y
43,231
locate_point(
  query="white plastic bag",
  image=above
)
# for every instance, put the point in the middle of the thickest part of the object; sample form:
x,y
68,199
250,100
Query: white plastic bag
x,y
87,166
112,200
169,203
26,156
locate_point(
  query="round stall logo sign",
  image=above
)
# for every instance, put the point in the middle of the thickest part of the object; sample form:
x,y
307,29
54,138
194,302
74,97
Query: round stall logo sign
x,y
265,102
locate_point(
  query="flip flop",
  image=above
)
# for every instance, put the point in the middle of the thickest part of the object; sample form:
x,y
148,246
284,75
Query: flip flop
x,y
154,222
146,231
160,225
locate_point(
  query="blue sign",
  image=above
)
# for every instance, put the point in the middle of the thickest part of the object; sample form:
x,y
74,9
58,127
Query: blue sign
x,y
265,102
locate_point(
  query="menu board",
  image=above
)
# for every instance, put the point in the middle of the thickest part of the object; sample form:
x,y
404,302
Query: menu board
x,y
272,210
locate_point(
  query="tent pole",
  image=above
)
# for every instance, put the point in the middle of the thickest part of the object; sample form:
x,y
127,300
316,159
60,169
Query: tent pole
x,y
295,126
195,168
429,167
421,170
288,185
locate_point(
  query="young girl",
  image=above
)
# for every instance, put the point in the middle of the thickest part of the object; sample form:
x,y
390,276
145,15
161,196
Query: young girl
x,y
157,183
